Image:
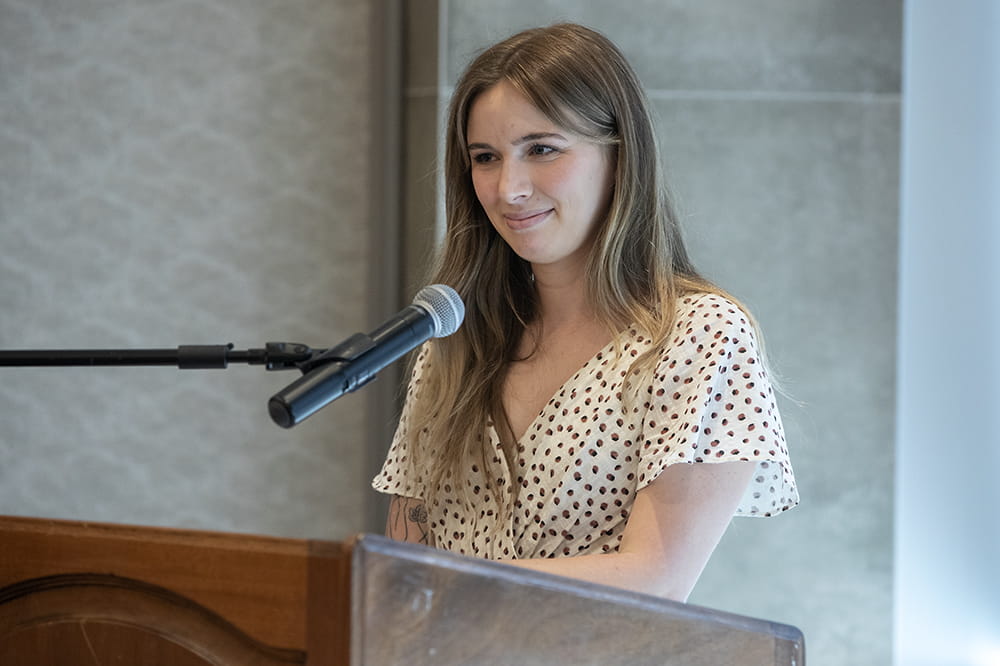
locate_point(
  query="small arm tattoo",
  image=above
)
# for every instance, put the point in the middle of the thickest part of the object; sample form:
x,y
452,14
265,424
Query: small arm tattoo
x,y
407,521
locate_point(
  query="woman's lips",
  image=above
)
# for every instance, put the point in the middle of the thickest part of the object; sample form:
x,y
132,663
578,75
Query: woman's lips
x,y
525,220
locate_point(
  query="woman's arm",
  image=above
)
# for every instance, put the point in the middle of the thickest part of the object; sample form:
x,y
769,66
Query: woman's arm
x,y
407,521
675,524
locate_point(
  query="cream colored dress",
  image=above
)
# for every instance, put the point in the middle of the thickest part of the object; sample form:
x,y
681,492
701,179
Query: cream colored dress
x,y
585,456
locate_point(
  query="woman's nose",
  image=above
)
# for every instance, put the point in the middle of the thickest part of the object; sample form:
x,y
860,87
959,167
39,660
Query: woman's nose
x,y
515,181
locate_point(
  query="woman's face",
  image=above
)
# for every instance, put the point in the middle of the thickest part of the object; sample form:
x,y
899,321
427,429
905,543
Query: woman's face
x,y
544,188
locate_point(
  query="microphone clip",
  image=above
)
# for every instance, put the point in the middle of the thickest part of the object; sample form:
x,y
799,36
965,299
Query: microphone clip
x,y
344,352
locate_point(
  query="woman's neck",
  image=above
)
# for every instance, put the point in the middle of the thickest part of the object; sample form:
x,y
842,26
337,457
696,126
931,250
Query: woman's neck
x,y
562,296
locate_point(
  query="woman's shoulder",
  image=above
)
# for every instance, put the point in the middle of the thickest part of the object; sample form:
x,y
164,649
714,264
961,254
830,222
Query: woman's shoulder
x,y
712,309
695,316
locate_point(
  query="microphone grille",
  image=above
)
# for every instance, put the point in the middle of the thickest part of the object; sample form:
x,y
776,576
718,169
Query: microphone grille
x,y
444,306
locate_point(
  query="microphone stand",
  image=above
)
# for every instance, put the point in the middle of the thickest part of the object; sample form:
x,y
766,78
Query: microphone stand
x,y
273,356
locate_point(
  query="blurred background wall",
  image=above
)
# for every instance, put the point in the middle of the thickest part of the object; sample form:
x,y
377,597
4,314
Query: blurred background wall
x,y
215,171
194,172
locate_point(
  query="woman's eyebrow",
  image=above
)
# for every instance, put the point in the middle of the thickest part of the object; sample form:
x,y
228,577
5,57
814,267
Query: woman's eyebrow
x,y
535,136
527,138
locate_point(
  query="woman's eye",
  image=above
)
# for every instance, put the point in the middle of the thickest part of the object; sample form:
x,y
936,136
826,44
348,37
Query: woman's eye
x,y
540,150
482,158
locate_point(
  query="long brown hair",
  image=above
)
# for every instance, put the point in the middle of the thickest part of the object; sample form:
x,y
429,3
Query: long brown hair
x,y
638,265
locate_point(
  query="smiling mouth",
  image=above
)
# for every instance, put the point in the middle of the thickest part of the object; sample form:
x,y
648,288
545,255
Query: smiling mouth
x,y
518,221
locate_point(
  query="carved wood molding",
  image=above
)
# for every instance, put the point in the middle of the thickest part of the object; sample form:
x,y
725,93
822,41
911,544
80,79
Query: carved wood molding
x,y
144,614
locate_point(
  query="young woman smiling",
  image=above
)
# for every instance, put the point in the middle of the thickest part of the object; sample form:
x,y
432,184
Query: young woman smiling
x,y
604,411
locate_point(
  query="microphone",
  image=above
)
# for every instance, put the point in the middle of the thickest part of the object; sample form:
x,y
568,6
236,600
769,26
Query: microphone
x,y
437,311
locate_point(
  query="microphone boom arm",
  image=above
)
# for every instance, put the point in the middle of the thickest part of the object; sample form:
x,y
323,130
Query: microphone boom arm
x,y
273,356
436,311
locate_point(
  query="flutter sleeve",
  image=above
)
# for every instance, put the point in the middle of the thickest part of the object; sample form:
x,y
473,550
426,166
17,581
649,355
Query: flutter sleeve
x,y
711,401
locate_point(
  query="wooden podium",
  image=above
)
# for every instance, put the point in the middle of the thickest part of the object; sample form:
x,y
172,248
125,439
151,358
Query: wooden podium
x,y
81,593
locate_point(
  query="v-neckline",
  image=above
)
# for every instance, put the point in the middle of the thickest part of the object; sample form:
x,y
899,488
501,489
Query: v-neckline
x,y
519,440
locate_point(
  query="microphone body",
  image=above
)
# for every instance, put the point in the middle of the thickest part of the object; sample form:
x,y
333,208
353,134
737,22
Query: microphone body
x,y
437,311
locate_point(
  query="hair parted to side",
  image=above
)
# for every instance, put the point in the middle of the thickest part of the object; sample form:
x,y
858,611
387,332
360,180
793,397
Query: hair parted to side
x,y
638,265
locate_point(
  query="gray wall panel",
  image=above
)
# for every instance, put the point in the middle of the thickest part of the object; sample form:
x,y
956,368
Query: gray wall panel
x,y
806,46
186,173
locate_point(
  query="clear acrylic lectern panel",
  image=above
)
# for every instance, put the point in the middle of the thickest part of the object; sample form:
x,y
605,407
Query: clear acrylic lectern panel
x,y
415,605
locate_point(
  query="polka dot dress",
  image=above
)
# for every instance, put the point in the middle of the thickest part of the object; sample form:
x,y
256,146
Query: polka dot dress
x,y
582,461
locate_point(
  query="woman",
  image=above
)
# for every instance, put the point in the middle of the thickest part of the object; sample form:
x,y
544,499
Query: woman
x,y
603,411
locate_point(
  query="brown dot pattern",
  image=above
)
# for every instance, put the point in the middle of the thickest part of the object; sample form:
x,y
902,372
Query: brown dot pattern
x,y
586,455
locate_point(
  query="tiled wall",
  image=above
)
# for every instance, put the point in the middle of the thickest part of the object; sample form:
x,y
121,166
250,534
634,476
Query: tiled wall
x,y
183,173
779,122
